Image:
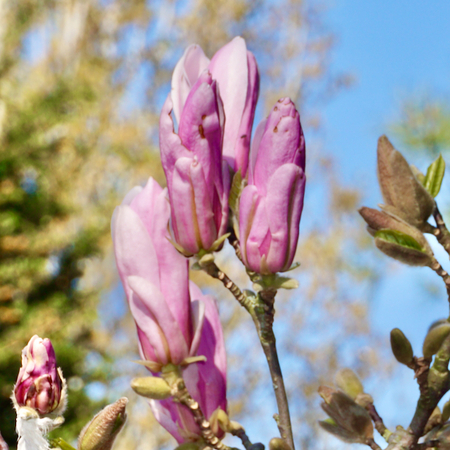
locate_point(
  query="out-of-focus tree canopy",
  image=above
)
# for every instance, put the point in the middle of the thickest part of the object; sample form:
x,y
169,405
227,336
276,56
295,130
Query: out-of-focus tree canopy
x,y
81,85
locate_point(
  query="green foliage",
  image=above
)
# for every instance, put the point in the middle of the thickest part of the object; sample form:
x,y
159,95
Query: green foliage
x,y
397,237
434,176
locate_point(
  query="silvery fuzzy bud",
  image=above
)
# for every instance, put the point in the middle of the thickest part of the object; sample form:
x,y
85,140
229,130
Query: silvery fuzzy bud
x,y
40,384
434,340
151,387
401,347
402,192
403,248
278,444
102,430
350,422
349,382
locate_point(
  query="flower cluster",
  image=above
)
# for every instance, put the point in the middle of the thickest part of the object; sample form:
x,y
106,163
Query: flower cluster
x,y
205,141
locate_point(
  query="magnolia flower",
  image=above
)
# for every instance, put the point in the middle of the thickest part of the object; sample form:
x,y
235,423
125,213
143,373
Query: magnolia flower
x,y
236,72
271,204
155,278
205,381
197,180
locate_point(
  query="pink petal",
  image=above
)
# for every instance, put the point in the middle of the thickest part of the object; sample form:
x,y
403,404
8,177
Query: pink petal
x,y
230,68
186,72
156,304
284,204
134,250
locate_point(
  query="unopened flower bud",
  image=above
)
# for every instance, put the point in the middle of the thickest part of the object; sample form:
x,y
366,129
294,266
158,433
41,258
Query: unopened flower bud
x,y
278,444
40,384
349,382
401,347
102,430
434,340
403,193
350,421
151,387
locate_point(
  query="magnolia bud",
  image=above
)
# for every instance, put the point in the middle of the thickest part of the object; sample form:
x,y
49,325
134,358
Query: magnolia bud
x,y
278,444
402,192
151,387
102,430
401,252
401,347
350,421
434,340
348,381
40,384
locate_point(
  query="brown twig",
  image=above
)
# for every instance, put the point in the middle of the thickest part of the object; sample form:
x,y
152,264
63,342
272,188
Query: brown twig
x,y
265,313
377,420
373,445
436,267
441,232
242,435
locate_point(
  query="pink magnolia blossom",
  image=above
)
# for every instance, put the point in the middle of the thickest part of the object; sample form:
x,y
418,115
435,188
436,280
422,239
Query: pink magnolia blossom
x,y
205,381
155,278
236,71
271,204
39,384
197,179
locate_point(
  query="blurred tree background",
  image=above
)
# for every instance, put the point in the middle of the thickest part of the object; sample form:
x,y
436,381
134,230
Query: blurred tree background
x,y
81,85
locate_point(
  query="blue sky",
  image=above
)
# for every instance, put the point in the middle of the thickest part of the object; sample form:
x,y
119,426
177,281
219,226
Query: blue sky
x,y
395,49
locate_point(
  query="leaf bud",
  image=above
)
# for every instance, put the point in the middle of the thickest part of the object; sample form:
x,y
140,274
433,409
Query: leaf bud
x,y
434,420
277,443
151,387
350,421
349,382
403,193
446,412
403,248
102,430
434,340
364,400
401,347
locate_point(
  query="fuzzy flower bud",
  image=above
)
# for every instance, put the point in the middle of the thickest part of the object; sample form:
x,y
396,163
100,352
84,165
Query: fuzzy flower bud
x,y
40,383
271,204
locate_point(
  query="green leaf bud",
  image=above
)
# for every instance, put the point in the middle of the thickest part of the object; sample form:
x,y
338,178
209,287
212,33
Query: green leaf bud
x,y
102,430
434,339
277,443
446,412
403,248
351,422
151,387
403,193
435,174
349,382
401,347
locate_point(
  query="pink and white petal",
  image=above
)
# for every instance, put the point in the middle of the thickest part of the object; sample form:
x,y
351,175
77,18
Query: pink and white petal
x,y
131,195
134,250
229,67
146,323
156,304
198,317
203,206
170,144
247,209
166,418
245,130
186,72
184,214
